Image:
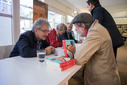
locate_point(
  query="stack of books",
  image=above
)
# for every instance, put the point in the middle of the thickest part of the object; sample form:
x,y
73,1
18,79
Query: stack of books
x,y
60,63
63,62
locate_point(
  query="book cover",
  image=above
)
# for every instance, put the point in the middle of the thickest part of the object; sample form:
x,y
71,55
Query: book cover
x,y
69,48
60,63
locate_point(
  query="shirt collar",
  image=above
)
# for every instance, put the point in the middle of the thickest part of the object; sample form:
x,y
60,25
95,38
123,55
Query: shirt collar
x,y
95,8
34,37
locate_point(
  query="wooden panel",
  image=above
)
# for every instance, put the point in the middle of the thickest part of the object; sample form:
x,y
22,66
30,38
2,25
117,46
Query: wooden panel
x,y
40,9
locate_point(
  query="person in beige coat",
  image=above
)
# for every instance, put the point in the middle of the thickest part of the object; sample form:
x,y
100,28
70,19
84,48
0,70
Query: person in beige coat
x,y
96,52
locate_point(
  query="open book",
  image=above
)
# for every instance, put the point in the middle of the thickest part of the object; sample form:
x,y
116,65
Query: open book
x,y
64,62
60,63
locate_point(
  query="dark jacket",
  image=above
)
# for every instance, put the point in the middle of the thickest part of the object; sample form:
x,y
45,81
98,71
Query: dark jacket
x,y
107,21
26,46
67,36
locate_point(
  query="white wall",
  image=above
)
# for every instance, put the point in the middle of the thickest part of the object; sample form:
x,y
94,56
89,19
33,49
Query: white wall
x,y
120,20
16,20
120,17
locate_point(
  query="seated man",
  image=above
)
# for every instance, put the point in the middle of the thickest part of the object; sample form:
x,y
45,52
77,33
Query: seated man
x,y
31,41
55,37
96,52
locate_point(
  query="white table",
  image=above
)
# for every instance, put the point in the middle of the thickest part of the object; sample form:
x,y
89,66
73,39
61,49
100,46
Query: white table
x,y
29,71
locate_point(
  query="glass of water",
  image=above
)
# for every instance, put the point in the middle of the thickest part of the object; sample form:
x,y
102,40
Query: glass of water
x,y
41,54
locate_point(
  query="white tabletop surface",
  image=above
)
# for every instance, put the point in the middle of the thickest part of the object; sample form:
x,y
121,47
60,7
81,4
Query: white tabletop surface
x,y
29,71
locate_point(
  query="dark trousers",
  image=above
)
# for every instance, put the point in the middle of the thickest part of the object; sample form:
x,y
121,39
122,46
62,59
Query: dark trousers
x,y
115,51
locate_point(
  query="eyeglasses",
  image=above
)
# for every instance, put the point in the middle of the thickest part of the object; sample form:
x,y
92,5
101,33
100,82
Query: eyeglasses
x,y
44,31
77,27
78,24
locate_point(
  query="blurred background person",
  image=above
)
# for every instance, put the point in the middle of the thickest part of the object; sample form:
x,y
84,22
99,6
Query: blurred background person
x,y
69,33
55,37
100,13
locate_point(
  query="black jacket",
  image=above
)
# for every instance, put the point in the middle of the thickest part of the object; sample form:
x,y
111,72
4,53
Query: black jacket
x,y
67,36
107,21
26,46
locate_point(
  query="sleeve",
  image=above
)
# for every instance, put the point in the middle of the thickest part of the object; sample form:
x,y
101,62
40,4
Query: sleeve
x,y
72,36
44,44
24,48
87,49
98,14
63,37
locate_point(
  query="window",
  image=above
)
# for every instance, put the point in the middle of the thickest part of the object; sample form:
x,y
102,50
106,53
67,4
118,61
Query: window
x,y
69,18
42,0
54,19
5,22
26,15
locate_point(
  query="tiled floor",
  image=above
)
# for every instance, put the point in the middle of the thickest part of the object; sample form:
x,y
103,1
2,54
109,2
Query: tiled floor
x,y
122,66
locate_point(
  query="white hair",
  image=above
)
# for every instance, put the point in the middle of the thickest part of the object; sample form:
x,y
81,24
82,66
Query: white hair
x,y
39,23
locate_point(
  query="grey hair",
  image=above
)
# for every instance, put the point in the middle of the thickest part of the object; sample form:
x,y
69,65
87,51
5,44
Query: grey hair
x,y
39,23
61,26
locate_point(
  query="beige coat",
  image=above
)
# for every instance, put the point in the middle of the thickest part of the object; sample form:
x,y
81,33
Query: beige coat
x,y
97,54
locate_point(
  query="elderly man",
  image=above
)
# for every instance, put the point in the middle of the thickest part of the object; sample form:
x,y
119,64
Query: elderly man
x,y
31,41
96,52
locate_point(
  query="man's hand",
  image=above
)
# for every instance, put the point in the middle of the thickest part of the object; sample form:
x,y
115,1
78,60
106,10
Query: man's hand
x,y
50,50
80,41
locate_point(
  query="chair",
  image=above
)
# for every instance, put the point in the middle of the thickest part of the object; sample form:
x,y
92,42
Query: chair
x,y
5,51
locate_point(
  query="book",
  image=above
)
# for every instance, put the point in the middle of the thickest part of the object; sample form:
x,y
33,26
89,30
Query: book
x,y
60,63
64,62
69,48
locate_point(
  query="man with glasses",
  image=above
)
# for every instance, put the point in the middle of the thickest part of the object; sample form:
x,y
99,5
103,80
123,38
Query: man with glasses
x,y
31,41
